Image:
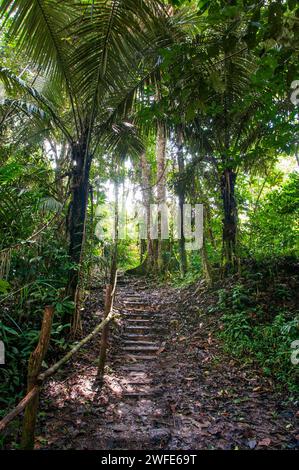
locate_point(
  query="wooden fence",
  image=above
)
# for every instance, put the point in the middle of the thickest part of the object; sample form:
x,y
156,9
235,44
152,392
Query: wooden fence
x,y
35,379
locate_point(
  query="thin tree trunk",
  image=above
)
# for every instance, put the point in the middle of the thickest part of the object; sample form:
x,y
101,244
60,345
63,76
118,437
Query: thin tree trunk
x,y
60,160
229,234
143,250
209,224
181,195
147,196
204,255
161,192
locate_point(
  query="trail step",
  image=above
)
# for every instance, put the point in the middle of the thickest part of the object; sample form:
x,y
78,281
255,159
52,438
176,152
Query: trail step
x,y
150,392
133,367
134,328
136,336
133,309
136,320
138,381
140,343
131,297
137,314
141,348
154,392
138,358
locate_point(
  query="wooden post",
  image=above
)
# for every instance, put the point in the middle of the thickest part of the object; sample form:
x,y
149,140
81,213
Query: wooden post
x,y
34,365
51,371
105,332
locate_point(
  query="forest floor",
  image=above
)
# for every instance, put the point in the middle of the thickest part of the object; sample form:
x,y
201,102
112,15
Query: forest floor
x,y
168,385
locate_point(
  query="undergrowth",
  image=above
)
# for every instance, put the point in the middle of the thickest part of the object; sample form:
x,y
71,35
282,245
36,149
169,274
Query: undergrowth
x,y
260,322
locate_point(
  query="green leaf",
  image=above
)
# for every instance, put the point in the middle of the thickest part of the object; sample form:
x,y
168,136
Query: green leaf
x,y
4,286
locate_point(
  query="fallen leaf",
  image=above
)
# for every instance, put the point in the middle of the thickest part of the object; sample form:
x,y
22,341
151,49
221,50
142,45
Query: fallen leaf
x,y
161,349
173,408
265,442
205,424
251,444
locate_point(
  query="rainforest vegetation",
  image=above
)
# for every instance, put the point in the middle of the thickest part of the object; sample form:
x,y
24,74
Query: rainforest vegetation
x,y
109,106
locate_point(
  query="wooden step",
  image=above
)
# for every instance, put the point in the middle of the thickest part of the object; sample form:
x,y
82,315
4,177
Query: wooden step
x,y
139,357
137,314
136,328
135,368
135,309
137,380
134,297
140,348
132,334
137,337
136,320
143,329
140,387
144,315
140,343
139,393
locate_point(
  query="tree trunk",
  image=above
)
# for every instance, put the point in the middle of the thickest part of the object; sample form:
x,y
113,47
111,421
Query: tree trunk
x,y
204,255
147,197
161,192
208,219
229,234
76,223
181,195
61,157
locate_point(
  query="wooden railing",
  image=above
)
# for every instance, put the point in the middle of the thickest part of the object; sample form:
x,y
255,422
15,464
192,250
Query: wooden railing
x,y
35,379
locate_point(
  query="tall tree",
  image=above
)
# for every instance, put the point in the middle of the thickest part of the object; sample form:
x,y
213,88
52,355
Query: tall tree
x,y
181,189
95,54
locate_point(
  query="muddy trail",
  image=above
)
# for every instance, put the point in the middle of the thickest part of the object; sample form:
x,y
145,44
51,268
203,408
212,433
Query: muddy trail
x,y
166,386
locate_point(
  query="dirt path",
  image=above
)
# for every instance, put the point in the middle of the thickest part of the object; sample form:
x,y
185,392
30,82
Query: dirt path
x,y
126,413
168,385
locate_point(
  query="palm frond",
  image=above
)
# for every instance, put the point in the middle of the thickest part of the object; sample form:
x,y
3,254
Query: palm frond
x,y
122,139
41,30
15,85
49,204
116,44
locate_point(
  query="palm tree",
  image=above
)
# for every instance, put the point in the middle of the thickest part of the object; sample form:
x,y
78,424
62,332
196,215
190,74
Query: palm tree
x,y
223,113
93,56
